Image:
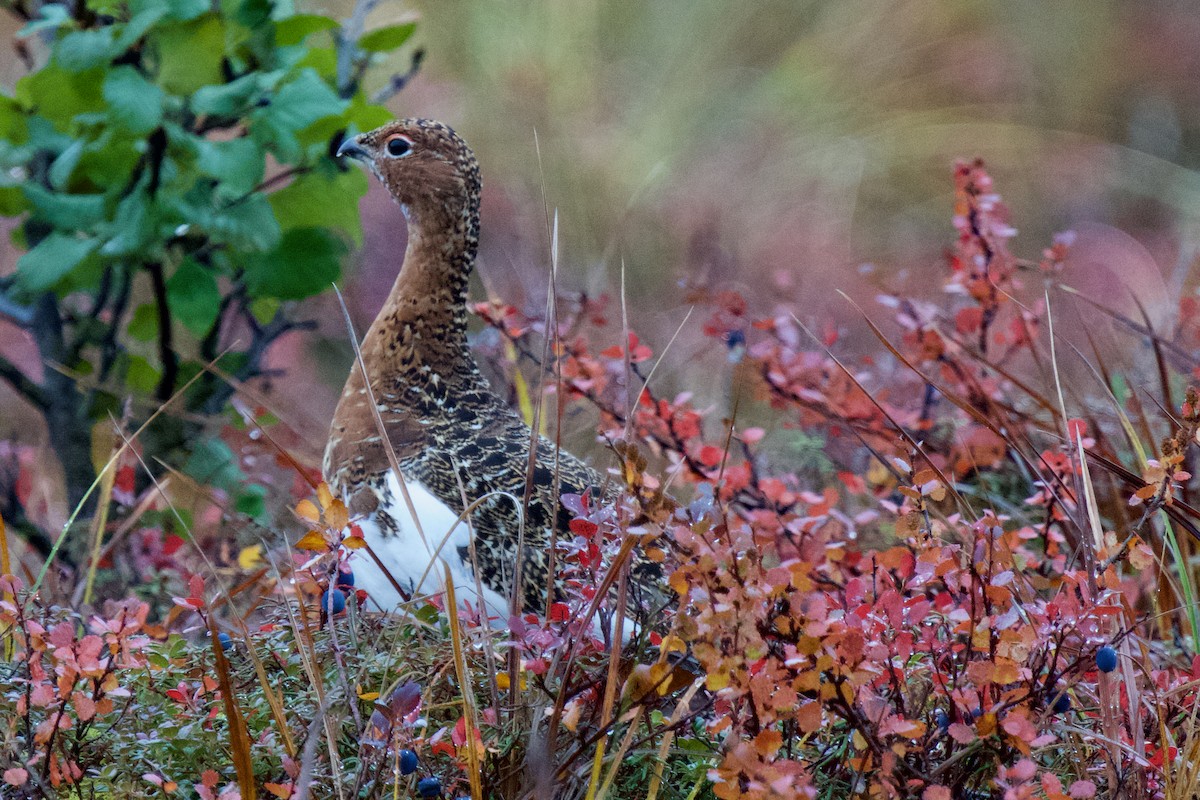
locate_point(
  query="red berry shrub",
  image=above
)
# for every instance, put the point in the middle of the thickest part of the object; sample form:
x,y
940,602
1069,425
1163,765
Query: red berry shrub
x,y
928,625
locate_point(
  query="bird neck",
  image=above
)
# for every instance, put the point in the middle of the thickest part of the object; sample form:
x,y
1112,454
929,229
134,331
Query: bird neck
x,y
422,328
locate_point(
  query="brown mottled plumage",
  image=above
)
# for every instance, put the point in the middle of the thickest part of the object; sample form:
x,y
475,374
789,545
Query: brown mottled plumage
x,y
451,433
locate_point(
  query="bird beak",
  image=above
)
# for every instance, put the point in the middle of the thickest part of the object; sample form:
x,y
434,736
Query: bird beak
x,y
351,148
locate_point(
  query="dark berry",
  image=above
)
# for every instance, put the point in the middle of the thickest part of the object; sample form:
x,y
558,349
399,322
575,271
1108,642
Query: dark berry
x,y
1062,704
429,787
408,762
942,719
333,601
1106,659
345,579
225,639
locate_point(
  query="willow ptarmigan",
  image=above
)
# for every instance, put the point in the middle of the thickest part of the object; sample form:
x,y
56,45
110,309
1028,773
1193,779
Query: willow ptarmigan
x,y
454,439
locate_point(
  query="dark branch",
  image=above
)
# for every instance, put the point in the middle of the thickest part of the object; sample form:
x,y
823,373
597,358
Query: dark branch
x,y
166,350
23,384
400,79
262,337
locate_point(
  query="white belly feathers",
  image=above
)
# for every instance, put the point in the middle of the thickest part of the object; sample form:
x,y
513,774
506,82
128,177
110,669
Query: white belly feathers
x,y
408,557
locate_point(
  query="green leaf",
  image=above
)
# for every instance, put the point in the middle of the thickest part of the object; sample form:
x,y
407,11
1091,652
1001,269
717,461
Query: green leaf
x,y
12,201
79,51
52,260
139,25
264,309
252,501
238,164
143,323
59,94
134,226
63,210
51,16
213,463
293,30
134,103
295,106
247,225
193,297
109,8
64,164
110,159
366,116
305,263
190,54
322,199
387,38
141,376
14,127
188,9
227,99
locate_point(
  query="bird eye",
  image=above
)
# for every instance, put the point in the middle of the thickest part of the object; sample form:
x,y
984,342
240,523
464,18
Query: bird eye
x,y
399,146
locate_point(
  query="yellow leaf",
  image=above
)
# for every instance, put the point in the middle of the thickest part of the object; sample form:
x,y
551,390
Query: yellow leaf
x,y
354,542
313,540
307,510
336,515
658,677
324,496
104,442
250,557
716,681
671,644
503,682
368,696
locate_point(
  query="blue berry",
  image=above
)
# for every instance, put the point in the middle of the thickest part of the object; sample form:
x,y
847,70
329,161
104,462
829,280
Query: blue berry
x,y
429,787
333,600
1106,659
942,720
345,579
408,762
225,639
1062,704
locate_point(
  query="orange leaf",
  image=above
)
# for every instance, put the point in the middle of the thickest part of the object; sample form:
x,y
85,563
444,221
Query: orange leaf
x,y
354,542
308,511
768,742
324,496
313,540
336,515
808,717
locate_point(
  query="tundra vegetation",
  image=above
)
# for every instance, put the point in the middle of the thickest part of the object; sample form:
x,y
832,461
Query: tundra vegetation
x,y
986,587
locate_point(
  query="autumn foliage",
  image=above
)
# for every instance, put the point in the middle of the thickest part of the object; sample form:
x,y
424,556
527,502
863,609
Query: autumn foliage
x,y
923,619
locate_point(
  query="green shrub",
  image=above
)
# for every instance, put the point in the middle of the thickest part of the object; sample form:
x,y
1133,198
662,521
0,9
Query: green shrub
x,y
170,163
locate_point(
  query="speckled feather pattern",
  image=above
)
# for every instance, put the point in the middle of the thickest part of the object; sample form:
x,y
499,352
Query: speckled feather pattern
x,y
449,430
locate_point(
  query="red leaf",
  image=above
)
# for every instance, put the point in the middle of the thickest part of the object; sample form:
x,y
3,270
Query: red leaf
x,y
584,527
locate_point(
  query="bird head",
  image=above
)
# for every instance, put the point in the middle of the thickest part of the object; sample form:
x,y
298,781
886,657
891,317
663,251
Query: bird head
x,y
428,168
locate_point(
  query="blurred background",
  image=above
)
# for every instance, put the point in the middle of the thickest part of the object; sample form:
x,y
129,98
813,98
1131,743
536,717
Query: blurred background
x,y
785,150
791,149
